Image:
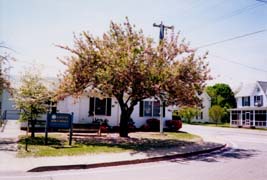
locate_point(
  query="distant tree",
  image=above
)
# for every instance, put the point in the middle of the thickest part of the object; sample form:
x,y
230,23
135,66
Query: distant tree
x,y
131,67
5,58
188,113
223,96
31,98
216,113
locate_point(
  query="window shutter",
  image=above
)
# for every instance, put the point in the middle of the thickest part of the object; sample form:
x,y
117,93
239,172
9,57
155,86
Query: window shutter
x,y
92,106
108,106
141,108
164,104
243,104
248,100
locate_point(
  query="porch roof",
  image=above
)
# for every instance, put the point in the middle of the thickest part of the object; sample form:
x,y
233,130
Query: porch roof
x,y
248,108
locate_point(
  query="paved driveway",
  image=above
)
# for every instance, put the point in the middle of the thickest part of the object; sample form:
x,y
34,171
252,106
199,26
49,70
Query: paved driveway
x,y
245,159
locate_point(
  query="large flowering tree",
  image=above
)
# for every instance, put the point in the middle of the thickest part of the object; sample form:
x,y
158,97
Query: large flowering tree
x,y
125,64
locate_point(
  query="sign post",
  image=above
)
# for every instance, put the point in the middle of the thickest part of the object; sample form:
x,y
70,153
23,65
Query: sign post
x,y
70,136
61,121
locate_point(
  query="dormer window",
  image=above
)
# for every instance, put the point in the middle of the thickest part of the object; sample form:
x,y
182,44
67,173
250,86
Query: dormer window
x,y
258,100
246,101
258,89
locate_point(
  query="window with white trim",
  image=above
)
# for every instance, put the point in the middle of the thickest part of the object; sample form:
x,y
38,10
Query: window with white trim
x,y
258,100
246,101
150,109
100,106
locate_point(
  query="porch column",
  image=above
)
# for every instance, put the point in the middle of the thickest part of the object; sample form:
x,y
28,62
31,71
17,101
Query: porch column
x,y
254,117
230,117
241,119
161,117
118,113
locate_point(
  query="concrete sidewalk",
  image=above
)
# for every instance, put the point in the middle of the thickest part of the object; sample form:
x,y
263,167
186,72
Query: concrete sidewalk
x,y
10,163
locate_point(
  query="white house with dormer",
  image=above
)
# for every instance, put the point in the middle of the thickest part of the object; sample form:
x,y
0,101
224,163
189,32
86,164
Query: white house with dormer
x,y
251,108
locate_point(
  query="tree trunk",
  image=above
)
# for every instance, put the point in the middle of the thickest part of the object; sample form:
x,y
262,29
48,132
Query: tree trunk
x,y
33,128
126,112
32,123
125,117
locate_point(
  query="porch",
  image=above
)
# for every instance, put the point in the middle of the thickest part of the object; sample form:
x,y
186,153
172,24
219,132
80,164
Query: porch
x,y
249,117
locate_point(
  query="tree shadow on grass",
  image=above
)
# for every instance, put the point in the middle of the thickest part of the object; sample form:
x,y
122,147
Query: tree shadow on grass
x,y
41,141
150,147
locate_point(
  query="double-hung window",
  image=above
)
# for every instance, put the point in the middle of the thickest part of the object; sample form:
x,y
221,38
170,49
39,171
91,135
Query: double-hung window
x,y
258,100
150,109
246,101
100,106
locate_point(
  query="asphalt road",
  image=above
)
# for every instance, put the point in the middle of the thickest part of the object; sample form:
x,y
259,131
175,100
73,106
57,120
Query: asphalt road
x,y
244,159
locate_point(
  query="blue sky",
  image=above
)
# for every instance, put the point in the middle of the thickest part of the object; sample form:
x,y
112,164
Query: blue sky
x,y
33,27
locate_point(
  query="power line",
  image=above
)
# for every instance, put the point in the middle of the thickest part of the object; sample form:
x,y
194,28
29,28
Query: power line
x,y
238,11
263,1
241,64
231,39
227,16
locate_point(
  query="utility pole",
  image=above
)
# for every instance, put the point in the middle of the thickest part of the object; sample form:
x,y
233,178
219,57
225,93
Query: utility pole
x,y
162,27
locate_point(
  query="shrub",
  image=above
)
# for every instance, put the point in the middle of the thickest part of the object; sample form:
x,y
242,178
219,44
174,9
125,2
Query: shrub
x,y
216,113
102,123
115,129
153,124
104,128
173,125
188,113
131,125
145,127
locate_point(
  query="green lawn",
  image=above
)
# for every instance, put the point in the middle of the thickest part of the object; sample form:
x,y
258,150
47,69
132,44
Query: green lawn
x,y
225,125
183,136
58,144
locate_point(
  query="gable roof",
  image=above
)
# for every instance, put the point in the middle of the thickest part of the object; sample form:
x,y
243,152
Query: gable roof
x,y
263,85
248,89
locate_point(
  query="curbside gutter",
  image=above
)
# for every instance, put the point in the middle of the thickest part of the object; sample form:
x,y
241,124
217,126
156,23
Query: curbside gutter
x,y
125,162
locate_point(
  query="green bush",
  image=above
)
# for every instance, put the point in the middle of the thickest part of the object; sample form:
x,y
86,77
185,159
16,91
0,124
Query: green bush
x,y
188,113
216,113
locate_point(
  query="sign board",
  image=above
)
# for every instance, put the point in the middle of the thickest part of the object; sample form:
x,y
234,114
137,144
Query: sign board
x,y
60,121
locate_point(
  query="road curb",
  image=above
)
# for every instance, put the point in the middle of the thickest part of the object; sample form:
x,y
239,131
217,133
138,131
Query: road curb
x,y
125,162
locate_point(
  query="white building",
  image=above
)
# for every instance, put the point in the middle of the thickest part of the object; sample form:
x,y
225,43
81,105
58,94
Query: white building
x,y
86,109
7,106
204,111
251,108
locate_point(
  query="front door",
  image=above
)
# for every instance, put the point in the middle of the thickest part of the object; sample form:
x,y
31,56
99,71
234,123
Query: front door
x,y
247,119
